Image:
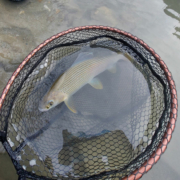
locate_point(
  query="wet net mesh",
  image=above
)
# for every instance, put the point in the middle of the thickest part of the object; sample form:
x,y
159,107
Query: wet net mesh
x,y
115,130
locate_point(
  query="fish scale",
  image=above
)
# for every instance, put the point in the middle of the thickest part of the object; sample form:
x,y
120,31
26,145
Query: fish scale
x,y
81,73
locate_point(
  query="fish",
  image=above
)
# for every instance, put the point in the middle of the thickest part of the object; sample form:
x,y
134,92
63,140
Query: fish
x,y
83,71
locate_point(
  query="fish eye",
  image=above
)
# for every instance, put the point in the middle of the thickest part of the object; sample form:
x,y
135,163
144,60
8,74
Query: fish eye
x,y
51,103
47,107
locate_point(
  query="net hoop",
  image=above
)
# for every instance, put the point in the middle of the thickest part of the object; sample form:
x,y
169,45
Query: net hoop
x,y
174,102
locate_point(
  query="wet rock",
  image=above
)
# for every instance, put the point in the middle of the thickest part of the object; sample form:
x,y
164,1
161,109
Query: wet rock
x,y
5,76
7,171
15,44
2,150
104,14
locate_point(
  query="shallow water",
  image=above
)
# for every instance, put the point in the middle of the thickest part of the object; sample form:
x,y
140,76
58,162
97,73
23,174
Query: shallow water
x,y
101,108
25,25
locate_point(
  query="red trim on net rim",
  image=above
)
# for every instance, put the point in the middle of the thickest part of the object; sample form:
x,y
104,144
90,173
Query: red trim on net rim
x,y
173,116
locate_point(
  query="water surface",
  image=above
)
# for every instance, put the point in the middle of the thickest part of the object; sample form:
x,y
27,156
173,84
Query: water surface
x,y
25,25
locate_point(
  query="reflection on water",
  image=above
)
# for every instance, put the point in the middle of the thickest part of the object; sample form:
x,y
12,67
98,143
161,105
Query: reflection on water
x,y
173,10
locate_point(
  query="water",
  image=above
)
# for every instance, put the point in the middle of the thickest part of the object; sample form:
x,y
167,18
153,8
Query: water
x,y
107,108
25,25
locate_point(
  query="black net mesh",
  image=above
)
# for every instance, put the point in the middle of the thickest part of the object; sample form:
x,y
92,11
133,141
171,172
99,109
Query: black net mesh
x,y
115,130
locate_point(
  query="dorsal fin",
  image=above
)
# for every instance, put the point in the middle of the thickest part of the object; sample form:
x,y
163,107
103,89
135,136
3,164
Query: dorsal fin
x,y
83,57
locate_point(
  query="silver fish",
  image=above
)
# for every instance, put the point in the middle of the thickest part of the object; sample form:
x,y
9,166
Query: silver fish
x,y
83,71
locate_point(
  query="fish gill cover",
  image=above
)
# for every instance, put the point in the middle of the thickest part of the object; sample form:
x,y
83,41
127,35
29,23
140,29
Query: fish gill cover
x,y
89,104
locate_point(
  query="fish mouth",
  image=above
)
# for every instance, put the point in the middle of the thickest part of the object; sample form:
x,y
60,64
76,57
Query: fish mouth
x,y
42,109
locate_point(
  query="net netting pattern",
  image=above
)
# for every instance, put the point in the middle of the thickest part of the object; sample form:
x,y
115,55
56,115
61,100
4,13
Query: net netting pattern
x,y
117,134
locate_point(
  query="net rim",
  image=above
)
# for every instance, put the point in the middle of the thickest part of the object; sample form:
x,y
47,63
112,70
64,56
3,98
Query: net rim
x,y
174,102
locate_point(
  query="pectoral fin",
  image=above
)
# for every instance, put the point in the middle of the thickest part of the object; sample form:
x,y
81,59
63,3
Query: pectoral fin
x,y
70,104
96,83
112,68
